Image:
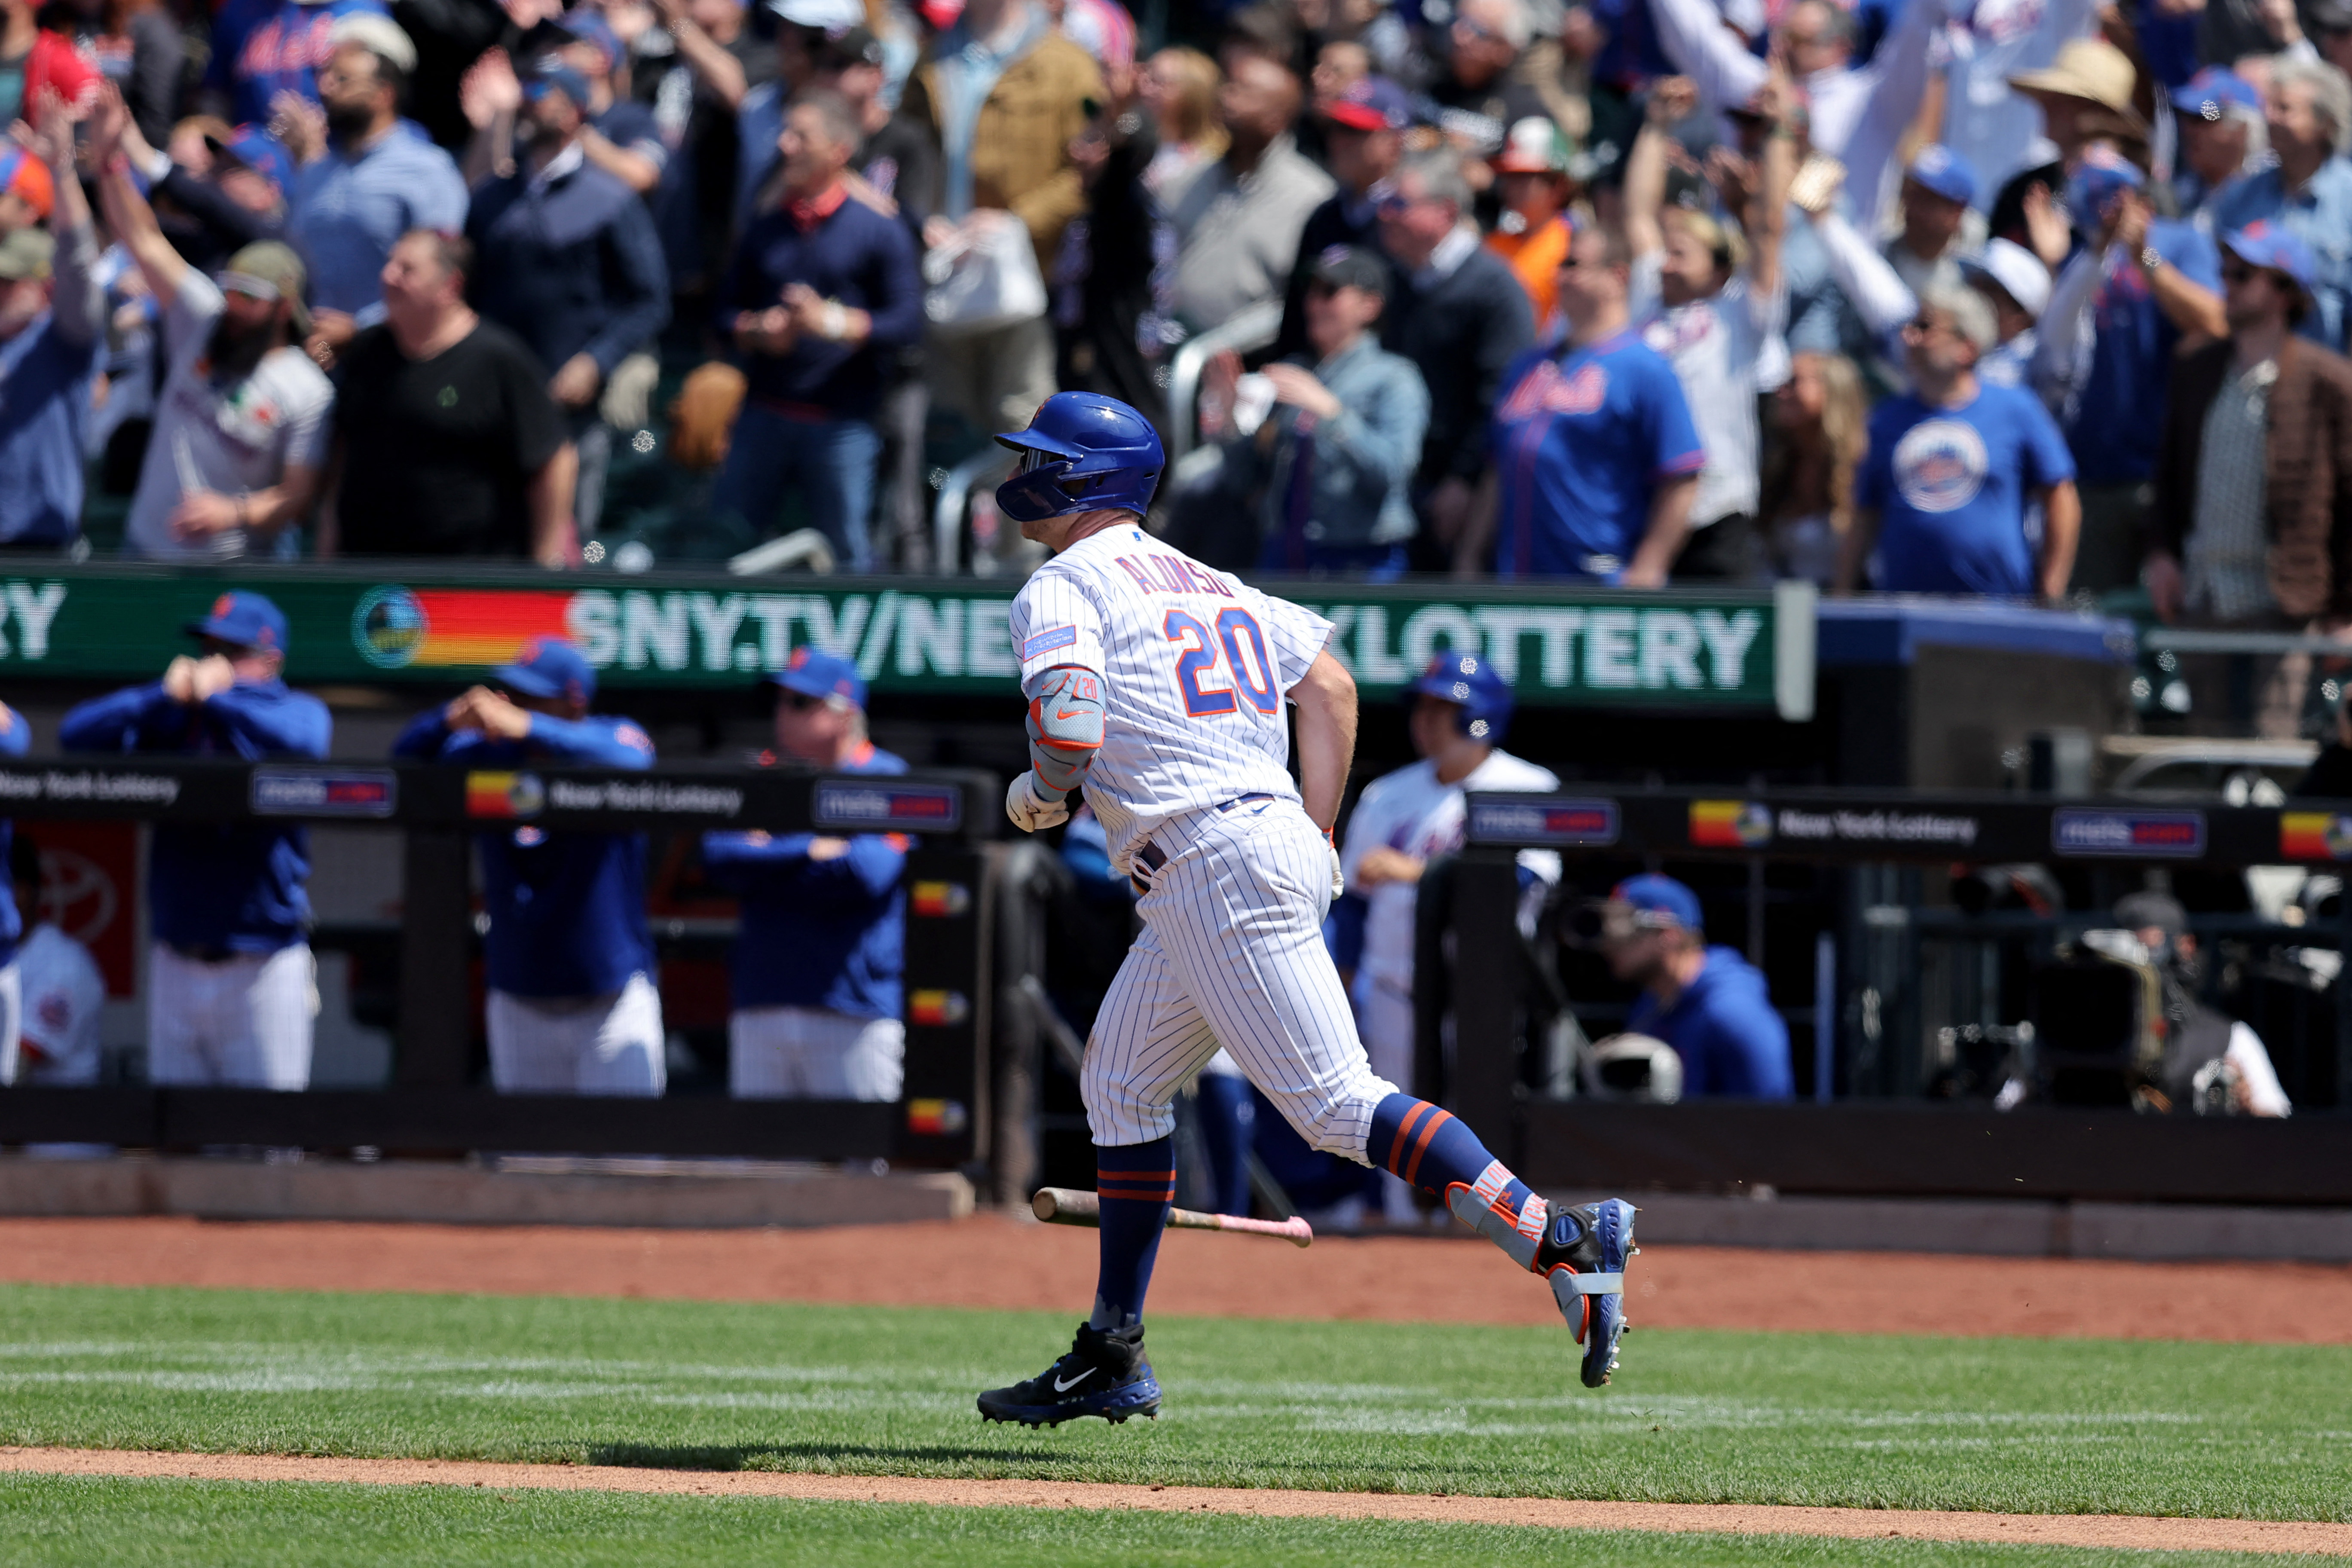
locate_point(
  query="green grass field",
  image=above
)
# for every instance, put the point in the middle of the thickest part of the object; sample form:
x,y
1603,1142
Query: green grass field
x,y
2233,1431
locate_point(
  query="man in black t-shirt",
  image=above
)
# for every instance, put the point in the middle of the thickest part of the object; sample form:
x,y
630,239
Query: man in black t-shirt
x,y
446,442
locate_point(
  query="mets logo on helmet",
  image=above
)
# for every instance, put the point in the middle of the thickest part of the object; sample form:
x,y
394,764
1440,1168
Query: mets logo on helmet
x,y
1940,466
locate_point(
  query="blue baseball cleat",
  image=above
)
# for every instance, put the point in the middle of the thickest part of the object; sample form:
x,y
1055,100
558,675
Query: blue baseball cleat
x,y
1583,1255
1104,1375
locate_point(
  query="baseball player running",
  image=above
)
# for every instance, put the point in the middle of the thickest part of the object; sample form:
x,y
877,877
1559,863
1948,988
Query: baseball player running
x,y
231,989
1157,686
572,1008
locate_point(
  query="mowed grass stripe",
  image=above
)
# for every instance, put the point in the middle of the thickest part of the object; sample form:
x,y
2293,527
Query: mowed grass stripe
x,y
2016,1426
63,1521
2262,1536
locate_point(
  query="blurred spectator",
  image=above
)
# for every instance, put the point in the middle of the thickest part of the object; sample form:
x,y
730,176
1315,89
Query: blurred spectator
x,y
2308,191
1113,282
1953,465
2219,117
619,136
1597,459
136,48
1462,318
1006,94
1104,30
34,60
1937,189
1978,112
365,184
29,191
2198,1040
897,158
2330,22
264,49
61,989
240,198
1179,88
1820,428
241,425
2017,285
2252,519
445,440
1712,303
2088,91
2116,314
566,259
231,986
694,71
1364,127
1333,459
1708,1003
1238,220
50,336
1533,232
450,36
822,293
572,1007
1478,97
816,967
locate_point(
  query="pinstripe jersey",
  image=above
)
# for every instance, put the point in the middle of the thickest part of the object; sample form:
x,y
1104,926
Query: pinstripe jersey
x,y
1194,663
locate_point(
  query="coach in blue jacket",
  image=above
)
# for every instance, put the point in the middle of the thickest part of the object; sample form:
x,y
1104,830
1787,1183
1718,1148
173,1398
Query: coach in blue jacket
x,y
573,1005
1708,1003
231,988
818,963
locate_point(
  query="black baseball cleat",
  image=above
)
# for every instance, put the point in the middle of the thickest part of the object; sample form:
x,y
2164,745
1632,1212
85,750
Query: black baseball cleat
x,y
1583,1255
1105,1374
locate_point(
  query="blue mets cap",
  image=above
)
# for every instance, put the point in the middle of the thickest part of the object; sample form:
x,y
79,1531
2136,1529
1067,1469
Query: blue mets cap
x,y
2213,89
247,620
2265,245
548,668
813,672
2104,175
1656,896
551,72
1944,172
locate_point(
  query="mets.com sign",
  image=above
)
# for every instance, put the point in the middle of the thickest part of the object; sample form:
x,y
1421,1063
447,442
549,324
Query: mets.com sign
x,y
1728,649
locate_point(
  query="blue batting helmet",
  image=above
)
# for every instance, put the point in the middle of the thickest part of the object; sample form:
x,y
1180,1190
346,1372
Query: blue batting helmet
x,y
1471,684
1082,452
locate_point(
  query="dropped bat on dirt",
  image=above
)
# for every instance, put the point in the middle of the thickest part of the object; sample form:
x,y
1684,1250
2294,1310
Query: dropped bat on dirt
x,y
1068,1205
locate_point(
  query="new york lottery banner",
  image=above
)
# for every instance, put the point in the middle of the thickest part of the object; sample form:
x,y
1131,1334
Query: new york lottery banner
x,y
1749,649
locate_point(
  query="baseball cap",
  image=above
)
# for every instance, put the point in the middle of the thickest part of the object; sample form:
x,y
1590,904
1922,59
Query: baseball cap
x,y
825,16
2017,271
586,26
246,620
1368,104
813,672
257,150
1535,146
551,72
2331,16
268,269
854,46
27,253
2104,175
2265,245
1352,266
1944,172
22,174
2138,911
1665,902
379,35
547,668
2215,88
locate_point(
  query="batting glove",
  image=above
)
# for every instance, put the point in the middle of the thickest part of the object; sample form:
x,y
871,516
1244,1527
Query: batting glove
x,y
1032,806
1339,872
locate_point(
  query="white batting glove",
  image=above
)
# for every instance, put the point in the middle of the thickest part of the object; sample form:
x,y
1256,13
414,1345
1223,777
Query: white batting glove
x,y
1339,872
1032,806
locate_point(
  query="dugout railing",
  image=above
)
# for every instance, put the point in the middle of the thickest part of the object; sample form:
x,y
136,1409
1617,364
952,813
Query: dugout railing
x,y
1886,1142
943,1117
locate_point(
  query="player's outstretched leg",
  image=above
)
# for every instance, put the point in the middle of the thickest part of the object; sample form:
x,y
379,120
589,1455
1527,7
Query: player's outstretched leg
x,y
1581,1252
1105,1373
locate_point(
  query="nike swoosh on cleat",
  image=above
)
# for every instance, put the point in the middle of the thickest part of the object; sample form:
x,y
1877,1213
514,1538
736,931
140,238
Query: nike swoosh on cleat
x,y
1061,1387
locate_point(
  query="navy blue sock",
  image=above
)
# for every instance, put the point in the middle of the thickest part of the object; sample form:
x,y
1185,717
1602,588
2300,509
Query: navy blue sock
x,y
1434,1150
1137,1184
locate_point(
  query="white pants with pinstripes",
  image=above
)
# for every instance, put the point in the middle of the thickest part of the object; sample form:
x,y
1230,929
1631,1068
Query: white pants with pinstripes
x,y
1232,953
242,1023
578,1045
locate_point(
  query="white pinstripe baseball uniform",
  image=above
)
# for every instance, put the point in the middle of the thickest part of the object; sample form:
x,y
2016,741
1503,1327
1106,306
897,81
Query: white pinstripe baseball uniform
x,y
1194,666
244,1022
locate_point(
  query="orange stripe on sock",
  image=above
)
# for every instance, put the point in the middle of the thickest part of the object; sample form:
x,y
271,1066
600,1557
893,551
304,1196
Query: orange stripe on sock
x,y
1420,1146
1404,1129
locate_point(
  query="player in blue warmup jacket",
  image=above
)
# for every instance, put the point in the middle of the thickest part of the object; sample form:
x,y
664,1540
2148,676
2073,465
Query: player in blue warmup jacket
x,y
15,735
817,966
573,1008
231,988
1708,1003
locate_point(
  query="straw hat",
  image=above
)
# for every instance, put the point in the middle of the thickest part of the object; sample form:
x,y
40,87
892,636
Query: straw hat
x,y
2091,69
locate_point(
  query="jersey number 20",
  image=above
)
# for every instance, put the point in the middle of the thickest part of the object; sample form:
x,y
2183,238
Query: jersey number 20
x,y
1249,672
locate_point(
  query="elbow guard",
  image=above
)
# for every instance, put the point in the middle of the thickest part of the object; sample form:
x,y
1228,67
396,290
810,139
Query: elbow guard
x,y
1065,724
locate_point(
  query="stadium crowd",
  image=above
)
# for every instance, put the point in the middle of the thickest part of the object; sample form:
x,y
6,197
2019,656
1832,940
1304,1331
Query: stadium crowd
x,y
2015,298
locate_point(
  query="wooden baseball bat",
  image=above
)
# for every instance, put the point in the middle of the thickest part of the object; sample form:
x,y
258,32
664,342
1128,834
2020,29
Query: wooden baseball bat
x,y
1068,1205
